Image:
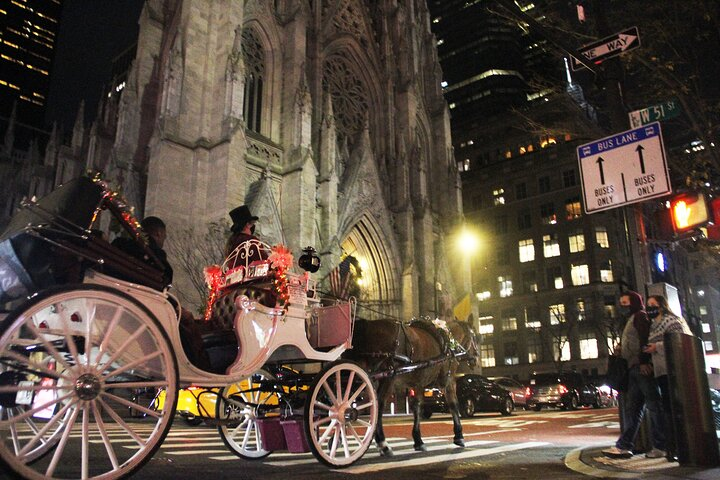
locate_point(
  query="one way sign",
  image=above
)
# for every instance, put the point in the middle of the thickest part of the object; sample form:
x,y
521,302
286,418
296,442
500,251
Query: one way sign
x,y
608,47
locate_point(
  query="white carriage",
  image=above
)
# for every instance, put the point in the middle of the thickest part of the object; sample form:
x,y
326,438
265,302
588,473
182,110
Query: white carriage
x,y
92,326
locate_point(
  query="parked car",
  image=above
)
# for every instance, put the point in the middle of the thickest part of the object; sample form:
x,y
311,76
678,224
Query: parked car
x,y
475,394
563,390
517,390
715,403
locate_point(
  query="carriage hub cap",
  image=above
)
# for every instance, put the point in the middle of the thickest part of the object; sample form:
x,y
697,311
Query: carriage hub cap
x,y
351,414
87,386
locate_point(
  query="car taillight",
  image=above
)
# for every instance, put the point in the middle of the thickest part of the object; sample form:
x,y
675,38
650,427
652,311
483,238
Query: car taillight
x,y
562,389
411,392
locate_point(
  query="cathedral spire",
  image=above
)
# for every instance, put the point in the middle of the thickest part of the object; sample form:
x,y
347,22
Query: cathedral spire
x,y
79,128
10,132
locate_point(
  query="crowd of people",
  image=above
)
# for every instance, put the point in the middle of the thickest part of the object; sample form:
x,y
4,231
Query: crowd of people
x,y
647,390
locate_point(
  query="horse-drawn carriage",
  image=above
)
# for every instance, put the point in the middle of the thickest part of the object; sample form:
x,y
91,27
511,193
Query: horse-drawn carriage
x,y
89,326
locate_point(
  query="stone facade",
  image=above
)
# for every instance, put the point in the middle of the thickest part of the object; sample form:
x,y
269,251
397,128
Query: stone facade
x,y
325,117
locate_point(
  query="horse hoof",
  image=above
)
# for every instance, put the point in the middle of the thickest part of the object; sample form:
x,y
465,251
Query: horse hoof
x,y
386,452
421,448
459,442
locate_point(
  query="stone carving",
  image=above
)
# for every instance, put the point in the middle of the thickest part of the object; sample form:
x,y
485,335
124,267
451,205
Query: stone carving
x,y
349,96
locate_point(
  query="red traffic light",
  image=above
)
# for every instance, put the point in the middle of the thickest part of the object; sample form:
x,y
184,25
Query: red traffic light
x,y
689,211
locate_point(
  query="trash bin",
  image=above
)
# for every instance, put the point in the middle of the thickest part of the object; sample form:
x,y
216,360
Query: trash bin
x,y
692,415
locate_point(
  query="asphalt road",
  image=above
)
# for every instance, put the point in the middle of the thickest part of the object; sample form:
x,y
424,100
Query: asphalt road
x,y
526,445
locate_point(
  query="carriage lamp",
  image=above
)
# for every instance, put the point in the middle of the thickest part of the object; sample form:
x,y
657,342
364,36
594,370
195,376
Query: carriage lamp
x,y
309,260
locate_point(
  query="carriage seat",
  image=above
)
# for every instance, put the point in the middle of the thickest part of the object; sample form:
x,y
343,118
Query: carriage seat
x,y
223,310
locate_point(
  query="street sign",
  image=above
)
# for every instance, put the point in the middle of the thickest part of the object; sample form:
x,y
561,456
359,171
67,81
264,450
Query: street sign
x,y
608,47
624,168
655,113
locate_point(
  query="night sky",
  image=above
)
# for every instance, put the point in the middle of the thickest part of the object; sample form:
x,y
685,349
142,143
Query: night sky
x,y
92,33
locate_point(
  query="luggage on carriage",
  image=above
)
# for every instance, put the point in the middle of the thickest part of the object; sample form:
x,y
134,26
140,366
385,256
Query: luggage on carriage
x,y
91,327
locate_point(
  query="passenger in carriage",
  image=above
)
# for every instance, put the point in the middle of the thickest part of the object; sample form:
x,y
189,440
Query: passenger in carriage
x,y
156,231
243,230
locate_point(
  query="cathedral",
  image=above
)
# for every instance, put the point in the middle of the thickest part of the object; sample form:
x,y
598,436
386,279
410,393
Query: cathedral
x,y
325,117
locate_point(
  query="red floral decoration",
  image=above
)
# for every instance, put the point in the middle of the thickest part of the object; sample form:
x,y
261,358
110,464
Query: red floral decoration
x,y
215,280
281,260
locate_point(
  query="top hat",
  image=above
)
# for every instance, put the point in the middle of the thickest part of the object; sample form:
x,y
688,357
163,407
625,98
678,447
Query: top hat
x,y
240,217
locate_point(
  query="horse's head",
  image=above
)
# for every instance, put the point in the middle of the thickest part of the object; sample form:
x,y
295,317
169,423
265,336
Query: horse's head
x,y
465,336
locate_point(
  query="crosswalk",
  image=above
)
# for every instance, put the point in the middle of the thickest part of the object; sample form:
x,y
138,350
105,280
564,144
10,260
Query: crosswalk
x,y
184,441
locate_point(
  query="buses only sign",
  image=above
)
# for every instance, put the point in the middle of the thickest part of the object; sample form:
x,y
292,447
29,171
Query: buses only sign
x,y
624,168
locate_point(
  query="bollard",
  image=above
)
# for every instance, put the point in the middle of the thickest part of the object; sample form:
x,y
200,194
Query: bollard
x,y
692,416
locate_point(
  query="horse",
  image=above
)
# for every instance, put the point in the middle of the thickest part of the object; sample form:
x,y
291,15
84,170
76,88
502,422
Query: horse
x,y
385,346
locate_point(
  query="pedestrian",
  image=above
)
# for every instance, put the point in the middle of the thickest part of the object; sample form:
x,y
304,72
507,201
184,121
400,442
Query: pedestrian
x,y
642,389
663,321
243,230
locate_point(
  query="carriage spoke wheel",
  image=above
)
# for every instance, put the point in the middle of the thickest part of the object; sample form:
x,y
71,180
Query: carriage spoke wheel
x,y
71,358
341,414
238,410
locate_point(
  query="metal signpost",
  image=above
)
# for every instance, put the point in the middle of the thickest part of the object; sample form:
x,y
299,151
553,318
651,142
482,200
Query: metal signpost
x,y
624,168
608,47
655,113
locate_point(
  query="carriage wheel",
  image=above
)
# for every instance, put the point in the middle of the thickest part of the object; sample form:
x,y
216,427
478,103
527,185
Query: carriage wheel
x,y
238,410
341,414
74,421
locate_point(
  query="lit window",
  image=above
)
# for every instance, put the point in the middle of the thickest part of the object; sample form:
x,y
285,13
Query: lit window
x,y
526,250
562,349
440,42
551,247
557,313
580,307
576,241
464,165
487,355
588,346
547,214
505,286
606,273
511,353
701,293
702,309
580,274
482,296
509,323
486,325
601,237
499,196
534,348
708,346
508,154
705,327
530,283
573,209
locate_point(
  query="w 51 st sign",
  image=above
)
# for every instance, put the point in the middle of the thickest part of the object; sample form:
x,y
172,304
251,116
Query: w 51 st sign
x,y
624,168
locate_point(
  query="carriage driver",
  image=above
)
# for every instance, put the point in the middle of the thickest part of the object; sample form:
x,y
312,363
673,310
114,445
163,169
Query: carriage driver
x,y
243,229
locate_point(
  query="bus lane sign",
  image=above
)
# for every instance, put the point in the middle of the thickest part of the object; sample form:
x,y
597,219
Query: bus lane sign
x,y
624,168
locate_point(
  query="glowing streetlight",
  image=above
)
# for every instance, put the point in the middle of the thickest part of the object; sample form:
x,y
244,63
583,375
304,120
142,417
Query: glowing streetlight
x,y
467,242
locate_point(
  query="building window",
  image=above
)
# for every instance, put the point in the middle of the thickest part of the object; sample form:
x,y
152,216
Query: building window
x,y
601,237
526,249
708,346
568,177
499,196
705,327
524,220
610,308
606,273
487,355
562,349
702,309
547,214
520,191
486,325
580,308
530,284
511,353
554,276
464,165
482,296
534,347
588,346
505,286
254,63
501,224
509,321
551,247
573,209
557,313
544,184
580,275
576,241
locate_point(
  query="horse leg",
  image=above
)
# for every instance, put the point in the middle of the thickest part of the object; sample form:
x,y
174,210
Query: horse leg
x,y
417,409
451,396
382,392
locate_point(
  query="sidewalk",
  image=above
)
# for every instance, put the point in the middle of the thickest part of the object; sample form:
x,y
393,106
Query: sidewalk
x,y
591,462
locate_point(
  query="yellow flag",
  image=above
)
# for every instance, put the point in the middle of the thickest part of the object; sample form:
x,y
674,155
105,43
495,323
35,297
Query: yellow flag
x,y
463,308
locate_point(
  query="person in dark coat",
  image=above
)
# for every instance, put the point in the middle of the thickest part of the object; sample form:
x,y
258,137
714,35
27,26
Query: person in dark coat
x,y
243,229
156,233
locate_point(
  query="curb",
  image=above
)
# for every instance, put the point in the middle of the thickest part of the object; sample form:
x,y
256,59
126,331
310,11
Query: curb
x,y
574,462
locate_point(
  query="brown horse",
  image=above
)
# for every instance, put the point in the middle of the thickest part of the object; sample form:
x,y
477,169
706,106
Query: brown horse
x,y
386,346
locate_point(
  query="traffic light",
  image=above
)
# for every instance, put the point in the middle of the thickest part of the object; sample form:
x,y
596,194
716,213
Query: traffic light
x,y
689,211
